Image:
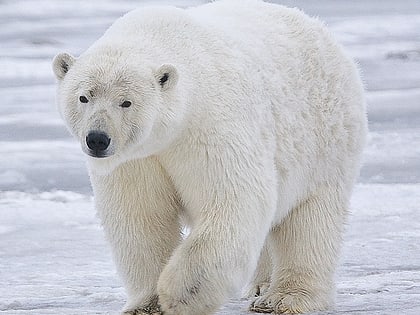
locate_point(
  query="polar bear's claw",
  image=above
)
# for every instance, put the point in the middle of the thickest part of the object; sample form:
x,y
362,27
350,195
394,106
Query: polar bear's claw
x,y
144,311
260,308
284,303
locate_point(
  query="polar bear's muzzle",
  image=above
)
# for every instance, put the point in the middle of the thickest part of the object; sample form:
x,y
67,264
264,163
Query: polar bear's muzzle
x,y
98,143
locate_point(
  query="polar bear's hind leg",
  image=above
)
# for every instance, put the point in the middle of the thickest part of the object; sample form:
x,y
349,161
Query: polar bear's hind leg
x,y
305,248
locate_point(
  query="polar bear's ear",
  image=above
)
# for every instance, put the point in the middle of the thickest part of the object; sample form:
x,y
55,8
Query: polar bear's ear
x,y
61,65
167,76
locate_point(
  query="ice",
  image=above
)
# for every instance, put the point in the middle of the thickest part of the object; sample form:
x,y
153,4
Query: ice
x,y
53,255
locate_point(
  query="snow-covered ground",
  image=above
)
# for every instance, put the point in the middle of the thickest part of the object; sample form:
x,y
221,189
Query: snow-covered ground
x,y
53,257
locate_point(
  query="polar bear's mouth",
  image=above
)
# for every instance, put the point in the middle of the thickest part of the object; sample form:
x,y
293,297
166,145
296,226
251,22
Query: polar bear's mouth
x,y
97,154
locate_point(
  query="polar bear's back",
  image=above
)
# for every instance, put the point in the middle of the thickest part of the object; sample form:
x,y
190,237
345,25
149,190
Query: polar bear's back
x,y
254,22
314,89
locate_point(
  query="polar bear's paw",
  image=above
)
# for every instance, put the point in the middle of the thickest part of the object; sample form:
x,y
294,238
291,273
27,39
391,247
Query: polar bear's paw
x,y
152,308
287,303
144,311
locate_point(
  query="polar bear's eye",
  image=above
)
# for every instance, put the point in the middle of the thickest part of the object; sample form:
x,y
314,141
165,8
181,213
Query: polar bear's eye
x,y
83,99
126,104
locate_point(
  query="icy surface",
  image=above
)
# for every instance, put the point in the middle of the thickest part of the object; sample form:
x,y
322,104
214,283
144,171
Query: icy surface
x,y
53,257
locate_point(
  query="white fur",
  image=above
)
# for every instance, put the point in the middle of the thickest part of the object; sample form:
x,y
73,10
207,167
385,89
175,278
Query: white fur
x,y
254,141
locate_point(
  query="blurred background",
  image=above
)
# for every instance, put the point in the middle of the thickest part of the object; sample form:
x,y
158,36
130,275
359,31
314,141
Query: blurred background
x,y
53,258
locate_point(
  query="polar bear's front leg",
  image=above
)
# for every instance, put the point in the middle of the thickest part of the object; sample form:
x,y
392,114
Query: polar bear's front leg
x,y
139,212
232,202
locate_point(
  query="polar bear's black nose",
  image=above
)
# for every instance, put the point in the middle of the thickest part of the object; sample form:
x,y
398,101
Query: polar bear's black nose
x,y
98,142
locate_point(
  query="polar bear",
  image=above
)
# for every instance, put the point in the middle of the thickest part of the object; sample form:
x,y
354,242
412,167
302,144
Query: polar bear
x,y
243,120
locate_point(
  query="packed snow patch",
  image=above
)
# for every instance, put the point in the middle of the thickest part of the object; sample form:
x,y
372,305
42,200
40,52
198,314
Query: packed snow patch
x,y
55,259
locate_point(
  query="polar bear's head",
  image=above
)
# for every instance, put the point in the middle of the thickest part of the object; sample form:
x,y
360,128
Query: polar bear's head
x,y
117,108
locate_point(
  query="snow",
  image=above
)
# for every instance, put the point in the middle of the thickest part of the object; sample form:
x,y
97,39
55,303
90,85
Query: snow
x,y
53,256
